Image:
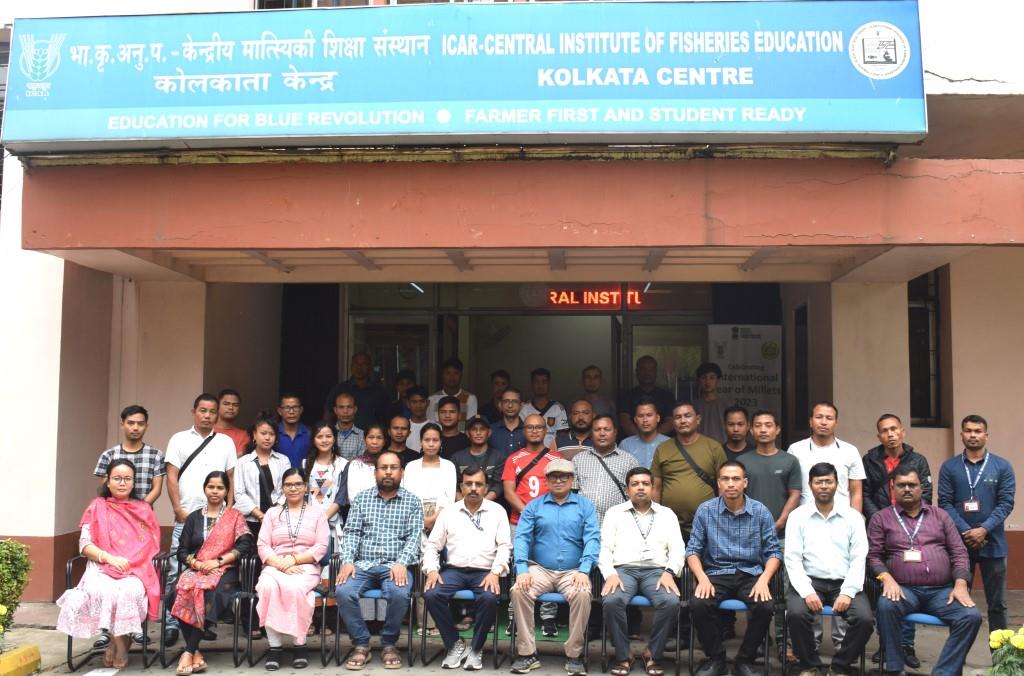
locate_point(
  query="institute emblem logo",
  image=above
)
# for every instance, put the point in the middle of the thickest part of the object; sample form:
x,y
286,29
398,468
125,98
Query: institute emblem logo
x,y
39,60
879,50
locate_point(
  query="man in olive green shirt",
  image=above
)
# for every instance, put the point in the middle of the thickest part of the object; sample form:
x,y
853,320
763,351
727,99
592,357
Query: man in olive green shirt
x,y
676,484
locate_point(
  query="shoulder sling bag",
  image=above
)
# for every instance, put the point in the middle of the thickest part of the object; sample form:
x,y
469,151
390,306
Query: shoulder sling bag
x,y
613,477
701,474
529,466
188,461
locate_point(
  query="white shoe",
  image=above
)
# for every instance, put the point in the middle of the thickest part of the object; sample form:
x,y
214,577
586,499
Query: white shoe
x,y
475,661
456,656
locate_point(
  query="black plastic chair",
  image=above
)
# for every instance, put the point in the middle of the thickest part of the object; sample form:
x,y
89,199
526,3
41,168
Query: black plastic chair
x,y
159,563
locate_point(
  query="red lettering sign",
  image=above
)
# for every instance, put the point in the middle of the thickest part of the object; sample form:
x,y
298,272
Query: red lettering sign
x,y
592,299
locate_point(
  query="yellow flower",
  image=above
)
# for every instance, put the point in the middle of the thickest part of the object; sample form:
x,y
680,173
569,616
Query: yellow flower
x,y
1,628
3,610
1017,642
1007,634
995,644
1021,631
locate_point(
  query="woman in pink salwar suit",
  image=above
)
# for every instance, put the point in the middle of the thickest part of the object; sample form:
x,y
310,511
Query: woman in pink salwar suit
x,y
293,540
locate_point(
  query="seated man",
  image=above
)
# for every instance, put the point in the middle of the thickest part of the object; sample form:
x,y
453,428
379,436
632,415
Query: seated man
x,y
733,553
826,547
915,551
641,554
380,541
479,541
556,546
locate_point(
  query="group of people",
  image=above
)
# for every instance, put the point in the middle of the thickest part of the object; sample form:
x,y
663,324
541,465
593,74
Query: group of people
x,y
622,494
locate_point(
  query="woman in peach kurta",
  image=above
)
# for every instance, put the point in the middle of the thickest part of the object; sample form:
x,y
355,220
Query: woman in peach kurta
x,y
293,539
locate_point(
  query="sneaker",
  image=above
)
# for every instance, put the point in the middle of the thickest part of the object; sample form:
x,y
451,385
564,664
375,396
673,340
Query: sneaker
x,y
474,661
273,662
456,655
574,667
102,642
299,658
139,638
910,657
524,664
549,628
508,628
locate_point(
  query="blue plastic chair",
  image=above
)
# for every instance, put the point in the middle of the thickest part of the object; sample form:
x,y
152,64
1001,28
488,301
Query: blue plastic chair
x,y
377,595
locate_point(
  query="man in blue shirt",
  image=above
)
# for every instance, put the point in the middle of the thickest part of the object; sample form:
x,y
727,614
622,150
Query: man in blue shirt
x,y
293,438
733,554
507,433
977,491
557,543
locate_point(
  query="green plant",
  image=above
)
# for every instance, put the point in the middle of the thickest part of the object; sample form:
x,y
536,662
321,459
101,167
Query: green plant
x,y
14,568
1008,655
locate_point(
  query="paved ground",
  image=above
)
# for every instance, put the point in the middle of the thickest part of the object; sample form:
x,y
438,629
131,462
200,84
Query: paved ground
x,y
35,625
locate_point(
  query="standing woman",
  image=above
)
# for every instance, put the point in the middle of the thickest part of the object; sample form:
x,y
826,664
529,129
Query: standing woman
x,y
432,479
120,588
324,468
258,473
213,540
293,539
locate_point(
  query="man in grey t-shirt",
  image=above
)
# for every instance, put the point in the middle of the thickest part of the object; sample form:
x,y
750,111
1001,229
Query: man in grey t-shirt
x,y
773,475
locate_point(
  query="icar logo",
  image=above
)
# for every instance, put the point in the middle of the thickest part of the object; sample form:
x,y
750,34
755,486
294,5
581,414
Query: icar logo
x,y
39,60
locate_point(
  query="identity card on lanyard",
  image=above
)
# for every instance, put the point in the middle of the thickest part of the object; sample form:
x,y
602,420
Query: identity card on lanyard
x,y
912,555
973,505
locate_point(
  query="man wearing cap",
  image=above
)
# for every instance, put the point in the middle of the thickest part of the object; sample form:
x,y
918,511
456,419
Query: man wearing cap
x,y
480,454
557,543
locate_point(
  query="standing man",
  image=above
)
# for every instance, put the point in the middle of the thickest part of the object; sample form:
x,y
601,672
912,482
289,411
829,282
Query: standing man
x,y
591,378
642,553
452,440
349,435
601,470
557,543
524,479
191,455
451,386
404,380
480,455
507,433
229,404
647,438
293,438
773,477
398,435
417,400
149,461
915,551
733,554
577,438
543,405
977,491
381,540
477,557
500,380
370,398
647,386
709,406
823,446
737,432
826,548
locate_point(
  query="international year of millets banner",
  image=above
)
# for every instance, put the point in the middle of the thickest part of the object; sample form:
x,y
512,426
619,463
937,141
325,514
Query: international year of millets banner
x,y
594,72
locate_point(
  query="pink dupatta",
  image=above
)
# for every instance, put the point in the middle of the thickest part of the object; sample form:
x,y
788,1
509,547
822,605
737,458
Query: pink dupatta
x,y
189,606
128,529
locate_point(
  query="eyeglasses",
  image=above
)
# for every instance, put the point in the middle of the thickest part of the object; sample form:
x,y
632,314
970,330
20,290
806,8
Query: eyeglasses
x,y
292,484
558,478
122,479
291,409
510,401
534,428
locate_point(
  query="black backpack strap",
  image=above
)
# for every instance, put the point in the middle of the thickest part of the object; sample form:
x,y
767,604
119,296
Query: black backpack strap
x,y
701,474
615,479
530,465
188,461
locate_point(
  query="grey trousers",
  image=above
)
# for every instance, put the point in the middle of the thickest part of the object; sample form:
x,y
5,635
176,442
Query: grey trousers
x,y
638,581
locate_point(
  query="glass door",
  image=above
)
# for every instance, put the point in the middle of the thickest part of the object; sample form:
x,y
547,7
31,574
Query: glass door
x,y
395,344
677,346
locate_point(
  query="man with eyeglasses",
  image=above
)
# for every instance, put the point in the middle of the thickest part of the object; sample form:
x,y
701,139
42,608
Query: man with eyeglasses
x,y
826,547
557,544
293,439
507,434
916,552
476,533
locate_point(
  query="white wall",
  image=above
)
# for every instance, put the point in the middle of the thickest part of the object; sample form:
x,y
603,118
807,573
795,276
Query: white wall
x,y
818,299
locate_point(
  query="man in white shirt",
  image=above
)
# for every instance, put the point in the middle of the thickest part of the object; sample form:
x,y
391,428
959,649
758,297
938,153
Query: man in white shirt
x,y
555,417
479,542
823,446
826,548
191,455
451,386
642,553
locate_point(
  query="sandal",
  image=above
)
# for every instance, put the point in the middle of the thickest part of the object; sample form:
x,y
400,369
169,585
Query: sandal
x,y
622,668
391,658
198,664
651,666
358,658
185,667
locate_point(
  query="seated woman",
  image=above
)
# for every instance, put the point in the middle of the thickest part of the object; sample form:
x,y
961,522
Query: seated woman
x,y
213,540
293,539
120,588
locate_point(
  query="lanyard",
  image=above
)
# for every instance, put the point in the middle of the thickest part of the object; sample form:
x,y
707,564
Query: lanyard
x,y
206,518
475,518
298,524
650,526
973,484
911,536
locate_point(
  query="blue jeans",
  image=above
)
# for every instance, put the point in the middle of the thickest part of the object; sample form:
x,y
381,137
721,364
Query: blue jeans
x,y
484,609
397,597
963,626
172,572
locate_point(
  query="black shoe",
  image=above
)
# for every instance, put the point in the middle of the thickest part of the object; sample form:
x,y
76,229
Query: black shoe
x,y
139,638
910,658
273,662
102,642
549,628
711,667
524,664
876,656
747,669
209,634
299,659
170,636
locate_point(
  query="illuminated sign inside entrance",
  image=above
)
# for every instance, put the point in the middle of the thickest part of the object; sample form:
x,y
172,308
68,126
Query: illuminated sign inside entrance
x,y
592,299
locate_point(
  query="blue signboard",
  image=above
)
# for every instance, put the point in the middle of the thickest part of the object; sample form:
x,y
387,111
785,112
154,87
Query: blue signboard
x,y
615,72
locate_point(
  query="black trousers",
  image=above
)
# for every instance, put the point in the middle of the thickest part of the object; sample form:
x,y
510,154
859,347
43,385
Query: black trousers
x,y
801,625
708,620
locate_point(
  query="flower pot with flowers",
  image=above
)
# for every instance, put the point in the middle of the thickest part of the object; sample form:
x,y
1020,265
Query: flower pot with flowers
x,y
1008,658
